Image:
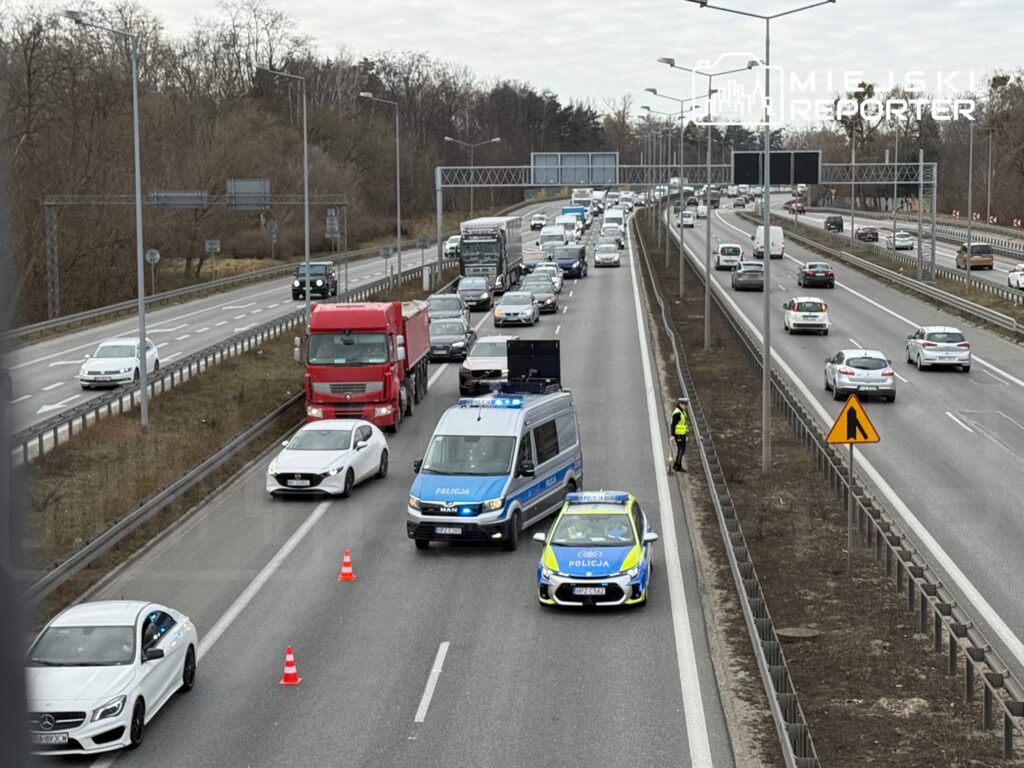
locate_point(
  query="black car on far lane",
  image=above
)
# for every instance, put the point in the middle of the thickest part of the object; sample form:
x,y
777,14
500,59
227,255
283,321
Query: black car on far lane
x,y
322,280
451,339
477,292
816,273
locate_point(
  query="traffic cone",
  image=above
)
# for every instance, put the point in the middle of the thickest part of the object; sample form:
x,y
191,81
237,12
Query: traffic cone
x,y
347,574
291,674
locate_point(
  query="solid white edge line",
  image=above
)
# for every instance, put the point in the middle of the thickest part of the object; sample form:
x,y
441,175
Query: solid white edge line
x,y
428,691
954,418
689,681
228,617
927,541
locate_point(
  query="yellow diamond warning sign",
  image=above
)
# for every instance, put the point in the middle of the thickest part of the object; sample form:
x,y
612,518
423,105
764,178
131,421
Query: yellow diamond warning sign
x,y
852,426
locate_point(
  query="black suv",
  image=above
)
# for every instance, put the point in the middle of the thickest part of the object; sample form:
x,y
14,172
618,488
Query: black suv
x,y
322,282
833,223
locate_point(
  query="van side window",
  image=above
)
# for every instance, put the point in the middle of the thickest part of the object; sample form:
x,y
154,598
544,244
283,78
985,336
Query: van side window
x,y
545,441
567,432
525,450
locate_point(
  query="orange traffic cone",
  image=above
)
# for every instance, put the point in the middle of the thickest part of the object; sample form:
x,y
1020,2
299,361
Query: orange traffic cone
x,y
347,574
291,674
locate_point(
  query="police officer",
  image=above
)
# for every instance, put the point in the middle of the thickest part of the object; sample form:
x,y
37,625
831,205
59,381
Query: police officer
x,y
679,428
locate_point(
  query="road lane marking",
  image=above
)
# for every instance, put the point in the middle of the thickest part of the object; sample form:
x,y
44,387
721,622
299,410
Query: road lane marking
x,y
168,330
56,406
182,337
255,311
239,317
689,680
564,310
171,357
65,362
570,294
954,418
855,343
905,381
161,346
203,330
917,528
56,384
222,322
428,692
17,400
558,329
997,378
244,327
239,306
228,617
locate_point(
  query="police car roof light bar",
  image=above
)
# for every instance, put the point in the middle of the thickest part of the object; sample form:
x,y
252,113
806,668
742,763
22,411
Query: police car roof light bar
x,y
599,497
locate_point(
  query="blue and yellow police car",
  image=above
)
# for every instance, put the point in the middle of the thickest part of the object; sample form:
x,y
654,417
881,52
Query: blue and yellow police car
x,y
599,552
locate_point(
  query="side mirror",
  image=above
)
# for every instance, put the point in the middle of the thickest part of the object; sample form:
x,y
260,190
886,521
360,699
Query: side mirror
x,y
361,444
650,537
85,357
401,353
284,443
910,337
527,469
400,340
152,654
541,537
416,464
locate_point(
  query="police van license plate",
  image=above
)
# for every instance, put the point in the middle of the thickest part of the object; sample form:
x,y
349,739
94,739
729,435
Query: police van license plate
x,y
298,483
49,738
589,591
446,530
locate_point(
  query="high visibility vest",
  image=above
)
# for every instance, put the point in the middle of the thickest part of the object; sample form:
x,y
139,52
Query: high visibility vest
x,y
681,428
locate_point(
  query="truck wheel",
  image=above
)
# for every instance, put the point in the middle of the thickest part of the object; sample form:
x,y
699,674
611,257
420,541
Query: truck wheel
x,y
392,429
410,398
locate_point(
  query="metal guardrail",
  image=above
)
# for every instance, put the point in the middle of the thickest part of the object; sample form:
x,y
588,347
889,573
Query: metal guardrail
x,y
34,441
962,305
939,613
790,724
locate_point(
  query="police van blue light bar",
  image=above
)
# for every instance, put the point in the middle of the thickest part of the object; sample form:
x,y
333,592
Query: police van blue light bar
x,y
491,402
598,497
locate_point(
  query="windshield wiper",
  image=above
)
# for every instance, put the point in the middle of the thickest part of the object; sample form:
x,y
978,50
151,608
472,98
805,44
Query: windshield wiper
x,y
46,663
426,471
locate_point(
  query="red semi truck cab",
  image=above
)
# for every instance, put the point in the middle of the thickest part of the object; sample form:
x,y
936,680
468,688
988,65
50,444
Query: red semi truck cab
x,y
367,361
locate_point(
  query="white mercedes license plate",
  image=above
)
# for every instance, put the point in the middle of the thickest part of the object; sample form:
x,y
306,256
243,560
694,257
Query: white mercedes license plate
x,y
49,738
298,483
589,591
448,530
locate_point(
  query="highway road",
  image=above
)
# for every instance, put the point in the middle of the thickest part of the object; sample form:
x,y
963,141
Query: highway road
x,y
514,684
44,374
952,445
945,253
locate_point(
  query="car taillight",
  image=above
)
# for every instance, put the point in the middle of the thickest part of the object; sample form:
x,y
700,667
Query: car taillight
x,y
888,372
847,372
808,272
964,344
828,272
929,344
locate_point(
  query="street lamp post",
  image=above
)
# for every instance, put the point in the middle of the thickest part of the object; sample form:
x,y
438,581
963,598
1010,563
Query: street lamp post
x,y
305,173
682,127
988,193
472,146
140,275
766,373
707,186
398,178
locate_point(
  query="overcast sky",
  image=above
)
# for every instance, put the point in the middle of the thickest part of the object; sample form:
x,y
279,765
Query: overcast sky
x,y
602,49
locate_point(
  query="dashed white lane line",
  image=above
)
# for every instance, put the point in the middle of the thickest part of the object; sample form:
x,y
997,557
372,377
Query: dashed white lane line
x,y
160,346
255,311
244,327
65,362
168,330
686,657
855,343
275,304
239,317
240,306
905,381
570,294
203,330
222,322
171,357
53,386
564,310
17,400
182,337
954,418
428,691
558,330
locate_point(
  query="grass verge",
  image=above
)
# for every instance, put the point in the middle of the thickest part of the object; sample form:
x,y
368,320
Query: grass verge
x,y
871,689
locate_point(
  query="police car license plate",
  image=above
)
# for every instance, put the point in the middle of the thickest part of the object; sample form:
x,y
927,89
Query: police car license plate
x,y
49,738
445,530
589,591
298,483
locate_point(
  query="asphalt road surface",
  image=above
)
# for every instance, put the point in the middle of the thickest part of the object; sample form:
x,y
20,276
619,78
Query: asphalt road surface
x,y
442,657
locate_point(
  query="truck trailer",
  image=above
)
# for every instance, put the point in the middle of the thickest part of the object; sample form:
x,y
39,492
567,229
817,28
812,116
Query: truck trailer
x,y
492,247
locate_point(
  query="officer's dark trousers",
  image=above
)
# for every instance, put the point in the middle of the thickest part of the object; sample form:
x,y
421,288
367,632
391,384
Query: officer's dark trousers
x,y
680,450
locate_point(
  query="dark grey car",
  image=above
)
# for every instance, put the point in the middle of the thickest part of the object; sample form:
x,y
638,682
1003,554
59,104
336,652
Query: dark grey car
x,y
748,276
477,292
543,289
451,339
445,306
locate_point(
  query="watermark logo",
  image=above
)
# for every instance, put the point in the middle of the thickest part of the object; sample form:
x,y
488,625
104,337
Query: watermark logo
x,y
740,97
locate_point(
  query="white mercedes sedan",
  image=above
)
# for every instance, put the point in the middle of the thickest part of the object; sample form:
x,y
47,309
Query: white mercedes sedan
x,y
99,672
328,457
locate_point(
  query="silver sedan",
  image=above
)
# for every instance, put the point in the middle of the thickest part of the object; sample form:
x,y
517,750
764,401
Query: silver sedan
x,y
860,371
516,308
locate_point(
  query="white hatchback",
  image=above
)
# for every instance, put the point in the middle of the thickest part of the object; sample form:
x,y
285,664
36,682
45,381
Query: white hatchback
x,y
687,218
728,256
806,313
1015,278
99,672
329,457
606,256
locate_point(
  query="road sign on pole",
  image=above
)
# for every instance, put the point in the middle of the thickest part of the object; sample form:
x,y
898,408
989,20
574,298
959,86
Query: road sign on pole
x,y
211,246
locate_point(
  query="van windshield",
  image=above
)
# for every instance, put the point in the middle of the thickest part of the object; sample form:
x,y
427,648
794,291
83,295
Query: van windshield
x,y
469,455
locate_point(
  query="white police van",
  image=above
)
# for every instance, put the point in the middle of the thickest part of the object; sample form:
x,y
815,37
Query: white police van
x,y
498,463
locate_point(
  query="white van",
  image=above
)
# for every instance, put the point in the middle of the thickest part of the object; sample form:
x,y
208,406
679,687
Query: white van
x,y
777,247
615,216
573,226
554,233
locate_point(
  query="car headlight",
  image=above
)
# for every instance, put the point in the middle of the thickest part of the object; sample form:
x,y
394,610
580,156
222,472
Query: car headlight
x,y
295,283
314,411
458,344
633,572
333,471
272,469
550,301
383,410
498,312
485,295
492,505
577,265
125,370
319,283
414,503
82,371
111,709
546,573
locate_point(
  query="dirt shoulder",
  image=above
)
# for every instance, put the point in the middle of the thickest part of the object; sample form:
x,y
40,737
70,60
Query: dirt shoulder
x,y
872,690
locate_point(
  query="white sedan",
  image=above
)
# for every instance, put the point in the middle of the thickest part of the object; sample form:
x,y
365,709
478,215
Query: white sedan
x,y
115,362
901,241
329,457
99,672
1015,279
